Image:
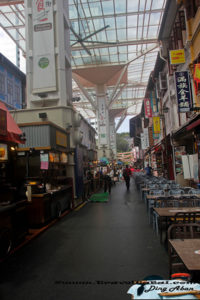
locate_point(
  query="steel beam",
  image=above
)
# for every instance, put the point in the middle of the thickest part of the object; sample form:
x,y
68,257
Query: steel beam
x,y
84,91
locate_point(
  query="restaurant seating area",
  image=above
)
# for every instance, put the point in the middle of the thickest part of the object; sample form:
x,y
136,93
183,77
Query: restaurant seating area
x,y
173,212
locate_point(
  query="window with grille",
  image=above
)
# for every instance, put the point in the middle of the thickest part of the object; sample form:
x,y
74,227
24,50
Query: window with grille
x,y
2,83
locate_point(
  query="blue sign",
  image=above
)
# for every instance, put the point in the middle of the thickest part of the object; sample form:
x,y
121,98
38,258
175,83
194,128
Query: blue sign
x,y
183,91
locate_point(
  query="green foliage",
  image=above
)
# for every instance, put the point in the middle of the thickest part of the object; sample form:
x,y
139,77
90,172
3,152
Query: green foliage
x,y
122,142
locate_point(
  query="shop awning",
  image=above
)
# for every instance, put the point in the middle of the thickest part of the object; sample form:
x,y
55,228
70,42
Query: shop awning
x,y
186,127
193,125
13,133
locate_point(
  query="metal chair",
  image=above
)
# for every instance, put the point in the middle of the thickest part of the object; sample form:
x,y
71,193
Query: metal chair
x,y
194,192
164,186
151,202
176,192
175,186
185,218
162,203
180,231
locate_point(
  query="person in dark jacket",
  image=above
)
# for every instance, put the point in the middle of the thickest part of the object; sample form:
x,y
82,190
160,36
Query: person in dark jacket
x,y
127,174
107,183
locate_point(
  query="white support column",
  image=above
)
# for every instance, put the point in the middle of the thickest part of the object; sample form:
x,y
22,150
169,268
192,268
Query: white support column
x,y
117,84
117,96
121,120
84,91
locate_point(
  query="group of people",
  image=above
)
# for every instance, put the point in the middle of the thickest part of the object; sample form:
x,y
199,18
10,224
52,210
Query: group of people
x,y
110,177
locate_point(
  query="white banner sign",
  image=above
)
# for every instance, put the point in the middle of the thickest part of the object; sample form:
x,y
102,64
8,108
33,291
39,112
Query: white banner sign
x,y
142,141
102,135
146,137
44,73
102,111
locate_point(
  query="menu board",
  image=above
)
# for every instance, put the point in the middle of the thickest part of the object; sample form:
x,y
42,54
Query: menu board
x,y
44,161
179,151
3,152
63,157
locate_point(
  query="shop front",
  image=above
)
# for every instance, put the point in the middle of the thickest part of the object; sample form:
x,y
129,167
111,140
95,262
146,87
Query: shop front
x,y
185,148
13,201
44,161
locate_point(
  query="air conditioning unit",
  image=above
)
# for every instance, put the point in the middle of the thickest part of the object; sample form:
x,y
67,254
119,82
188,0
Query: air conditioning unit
x,y
163,80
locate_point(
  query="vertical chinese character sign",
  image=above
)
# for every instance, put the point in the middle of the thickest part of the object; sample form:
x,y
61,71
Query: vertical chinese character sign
x,y
156,125
183,91
196,78
103,137
147,107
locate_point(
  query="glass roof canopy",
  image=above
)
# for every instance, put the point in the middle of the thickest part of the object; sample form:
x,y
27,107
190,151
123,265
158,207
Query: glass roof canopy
x,y
127,33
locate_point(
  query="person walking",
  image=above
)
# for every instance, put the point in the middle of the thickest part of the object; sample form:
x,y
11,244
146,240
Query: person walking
x,y
107,182
148,170
127,174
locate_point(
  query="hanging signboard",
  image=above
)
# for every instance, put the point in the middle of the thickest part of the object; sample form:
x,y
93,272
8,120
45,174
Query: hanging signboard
x,y
177,56
44,161
151,141
3,122
43,47
142,141
61,139
102,111
156,125
154,101
146,137
196,78
147,107
183,91
102,135
3,152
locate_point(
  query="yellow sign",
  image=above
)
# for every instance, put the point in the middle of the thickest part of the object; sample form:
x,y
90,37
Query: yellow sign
x,y
156,125
197,72
61,139
177,57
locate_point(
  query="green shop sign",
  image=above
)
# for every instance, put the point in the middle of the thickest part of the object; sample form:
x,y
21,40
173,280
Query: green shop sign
x,y
43,62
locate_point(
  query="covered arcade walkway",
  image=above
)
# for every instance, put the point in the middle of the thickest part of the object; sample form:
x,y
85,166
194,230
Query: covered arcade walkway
x,y
101,246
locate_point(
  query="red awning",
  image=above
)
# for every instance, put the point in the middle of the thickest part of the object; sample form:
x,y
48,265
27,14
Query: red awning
x,y
193,125
13,131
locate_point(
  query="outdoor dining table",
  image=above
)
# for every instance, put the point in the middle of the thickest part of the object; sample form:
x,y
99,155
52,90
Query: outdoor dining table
x,y
188,251
172,211
186,196
164,213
